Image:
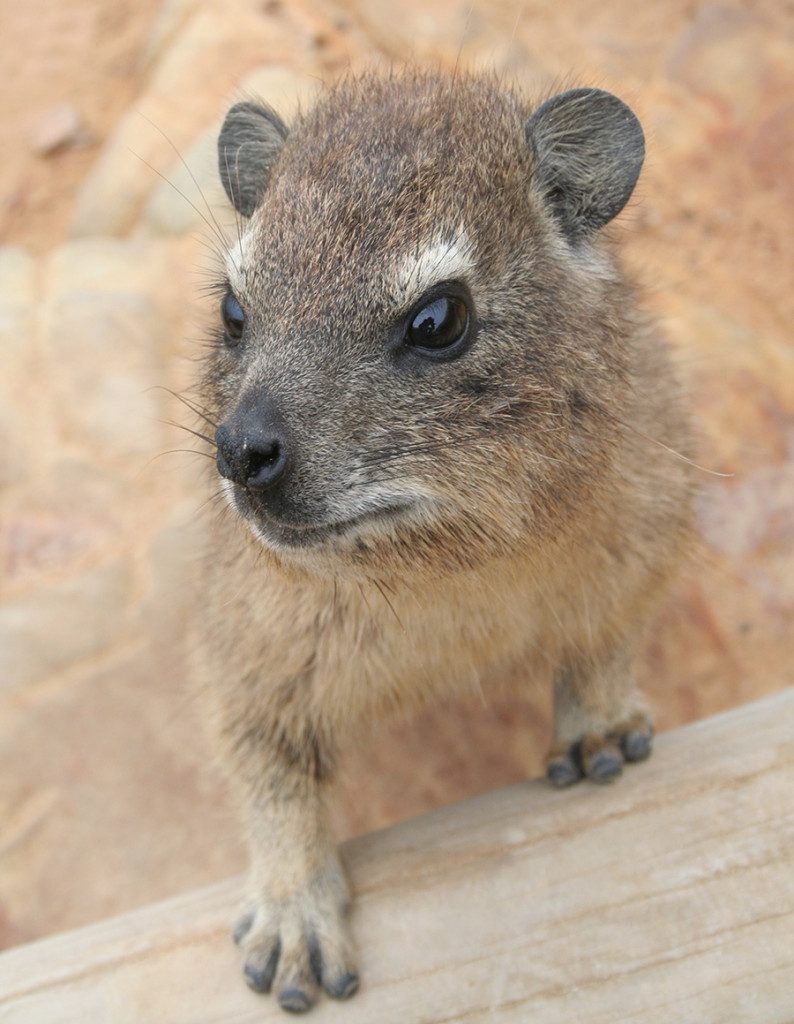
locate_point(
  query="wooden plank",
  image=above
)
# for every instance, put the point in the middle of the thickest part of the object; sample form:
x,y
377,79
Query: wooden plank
x,y
668,897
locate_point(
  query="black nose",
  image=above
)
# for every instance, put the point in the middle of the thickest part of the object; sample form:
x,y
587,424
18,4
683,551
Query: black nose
x,y
252,450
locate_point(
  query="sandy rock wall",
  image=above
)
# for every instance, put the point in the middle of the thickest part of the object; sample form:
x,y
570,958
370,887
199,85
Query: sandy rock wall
x,y
108,797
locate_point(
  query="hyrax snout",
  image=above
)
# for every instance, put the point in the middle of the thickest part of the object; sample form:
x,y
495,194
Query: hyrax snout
x,y
450,436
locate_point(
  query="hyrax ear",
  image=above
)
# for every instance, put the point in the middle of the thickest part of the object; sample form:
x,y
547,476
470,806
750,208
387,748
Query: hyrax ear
x,y
249,142
589,148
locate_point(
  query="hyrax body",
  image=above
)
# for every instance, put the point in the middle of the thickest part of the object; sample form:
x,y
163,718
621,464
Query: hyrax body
x,y
448,432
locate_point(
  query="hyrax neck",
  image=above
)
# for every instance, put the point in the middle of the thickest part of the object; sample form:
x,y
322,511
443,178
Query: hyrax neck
x,y
347,650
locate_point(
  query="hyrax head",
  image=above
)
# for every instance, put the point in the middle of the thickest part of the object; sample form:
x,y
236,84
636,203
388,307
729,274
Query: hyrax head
x,y
417,319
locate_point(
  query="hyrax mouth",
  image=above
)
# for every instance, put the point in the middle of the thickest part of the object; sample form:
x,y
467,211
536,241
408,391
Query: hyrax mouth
x,y
279,534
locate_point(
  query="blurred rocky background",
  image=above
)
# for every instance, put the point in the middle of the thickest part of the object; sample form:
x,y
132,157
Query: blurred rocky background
x,y
108,796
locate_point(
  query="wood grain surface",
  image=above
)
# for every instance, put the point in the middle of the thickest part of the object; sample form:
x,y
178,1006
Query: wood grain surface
x,y
668,897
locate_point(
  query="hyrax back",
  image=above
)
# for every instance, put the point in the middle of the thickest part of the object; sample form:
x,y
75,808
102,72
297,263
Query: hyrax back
x,y
448,433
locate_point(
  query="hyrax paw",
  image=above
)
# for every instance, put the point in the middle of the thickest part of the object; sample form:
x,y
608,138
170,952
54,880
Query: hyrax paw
x,y
600,756
294,946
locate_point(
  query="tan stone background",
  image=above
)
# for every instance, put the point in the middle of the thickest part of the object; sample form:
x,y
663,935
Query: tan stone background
x,y
108,798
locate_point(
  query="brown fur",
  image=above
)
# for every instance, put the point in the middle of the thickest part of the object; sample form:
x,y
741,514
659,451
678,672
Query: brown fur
x,y
552,512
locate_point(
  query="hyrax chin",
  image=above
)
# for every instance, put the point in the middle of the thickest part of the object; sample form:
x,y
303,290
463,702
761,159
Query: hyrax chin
x,y
448,434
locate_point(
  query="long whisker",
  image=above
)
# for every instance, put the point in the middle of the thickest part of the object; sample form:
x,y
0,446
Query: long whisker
x,y
667,448
189,171
213,499
193,408
464,436
187,451
219,237
195,433
422,448
215,250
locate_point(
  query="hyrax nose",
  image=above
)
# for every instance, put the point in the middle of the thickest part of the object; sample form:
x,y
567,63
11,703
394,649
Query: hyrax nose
x,y
252,450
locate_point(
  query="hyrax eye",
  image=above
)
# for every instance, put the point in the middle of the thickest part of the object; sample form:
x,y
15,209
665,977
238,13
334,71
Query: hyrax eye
x,y
440,326
233,319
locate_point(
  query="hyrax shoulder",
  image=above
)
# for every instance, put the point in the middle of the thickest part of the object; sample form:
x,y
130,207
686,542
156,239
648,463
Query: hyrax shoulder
x,y
447,432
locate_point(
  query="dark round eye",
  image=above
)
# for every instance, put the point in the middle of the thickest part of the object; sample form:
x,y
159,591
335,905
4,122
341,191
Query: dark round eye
x,y
439,325
233,318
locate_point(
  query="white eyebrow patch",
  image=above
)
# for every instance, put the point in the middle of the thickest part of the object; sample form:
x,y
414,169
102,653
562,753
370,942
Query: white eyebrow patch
x,y
443,258
236,259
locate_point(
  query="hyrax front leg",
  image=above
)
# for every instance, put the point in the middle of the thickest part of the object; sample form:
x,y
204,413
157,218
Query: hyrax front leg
x,y
294,936
600,721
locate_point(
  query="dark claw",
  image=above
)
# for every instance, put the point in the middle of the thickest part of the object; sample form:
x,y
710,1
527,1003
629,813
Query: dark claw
x,y
636,745
562,772
242,928
294,1000
260,979
257,978
604,766
344,987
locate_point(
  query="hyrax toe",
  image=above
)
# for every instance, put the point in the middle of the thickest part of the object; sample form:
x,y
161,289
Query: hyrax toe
x,y
563,767
295,984
602,759
636,738
258,938
333,965
260,979
295,1000
243,927
261,964
344,986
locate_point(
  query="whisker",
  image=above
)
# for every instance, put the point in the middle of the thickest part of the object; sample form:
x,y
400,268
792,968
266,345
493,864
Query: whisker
x,y
195,433
212,499
668,449
189,171
219,237
193,408
174,451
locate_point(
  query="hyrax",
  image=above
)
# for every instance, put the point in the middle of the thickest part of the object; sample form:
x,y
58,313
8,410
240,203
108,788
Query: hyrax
x,y
449,436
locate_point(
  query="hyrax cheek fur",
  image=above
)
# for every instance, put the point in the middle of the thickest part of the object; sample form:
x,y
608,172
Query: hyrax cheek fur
x,y
447,432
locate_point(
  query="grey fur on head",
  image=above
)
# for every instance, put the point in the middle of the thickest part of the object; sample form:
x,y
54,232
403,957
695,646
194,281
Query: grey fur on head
x,y
590,149
249,142
589,146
